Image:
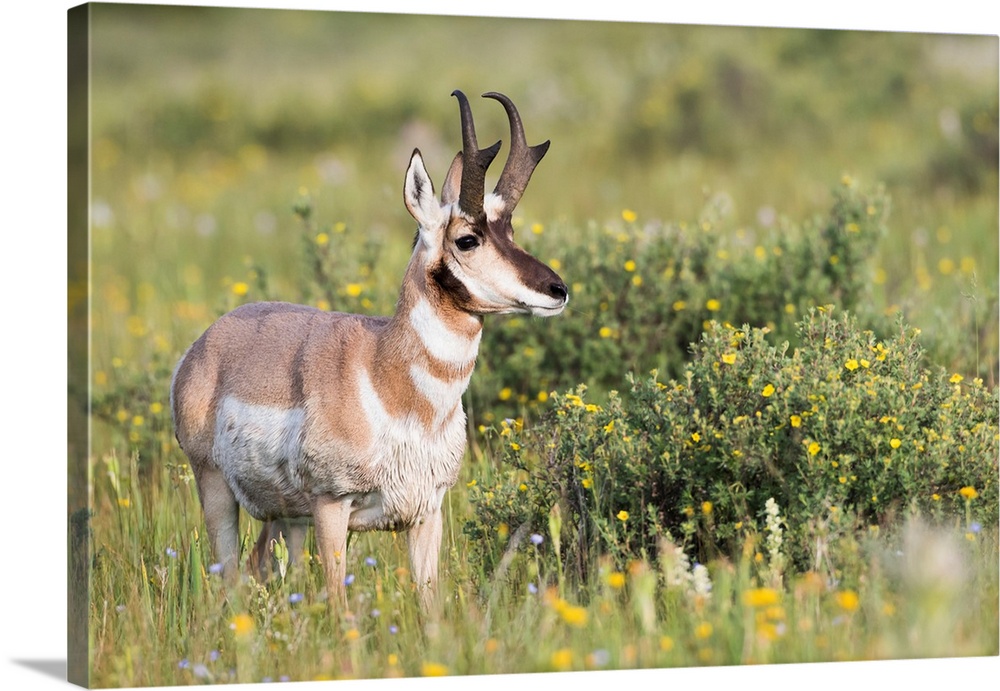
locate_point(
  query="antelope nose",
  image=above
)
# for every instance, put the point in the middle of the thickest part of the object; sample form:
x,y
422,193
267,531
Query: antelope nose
x,y
558,290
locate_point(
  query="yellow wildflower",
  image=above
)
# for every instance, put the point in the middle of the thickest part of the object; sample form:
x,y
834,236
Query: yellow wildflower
x,y
679,305
847,600
354,289
322,239
616,580
240,288
814,448
505,393
622,515
573,615
851,364
760,597
969,493
767,391
796,421
630,265
628,215
242,625
706,507
729,358
433,669
956,378
605,332
703,630
895,443
713,305
562,659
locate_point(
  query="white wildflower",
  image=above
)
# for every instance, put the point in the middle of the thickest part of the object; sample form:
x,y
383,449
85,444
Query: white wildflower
x,y
700,582
678,571
774,540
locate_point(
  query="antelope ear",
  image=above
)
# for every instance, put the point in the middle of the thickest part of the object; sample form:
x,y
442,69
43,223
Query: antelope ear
x,y
418,194
452,181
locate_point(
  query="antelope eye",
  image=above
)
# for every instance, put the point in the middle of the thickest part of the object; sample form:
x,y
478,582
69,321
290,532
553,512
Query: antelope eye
x,y
467,242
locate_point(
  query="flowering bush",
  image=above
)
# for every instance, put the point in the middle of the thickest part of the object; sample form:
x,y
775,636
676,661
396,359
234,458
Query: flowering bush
x,y
846,429
641,293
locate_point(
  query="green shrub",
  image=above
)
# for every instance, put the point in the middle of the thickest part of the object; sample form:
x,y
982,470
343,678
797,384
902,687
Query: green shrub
x,y
642,293
845,430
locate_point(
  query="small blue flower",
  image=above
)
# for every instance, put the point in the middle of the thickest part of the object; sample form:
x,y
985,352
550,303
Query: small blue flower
x,y
376,613
184,664
214,655
171,552
600,657
295,598
370,561
215,568
349,579
393,629
200,671
975,526
532,588
537,539
284,677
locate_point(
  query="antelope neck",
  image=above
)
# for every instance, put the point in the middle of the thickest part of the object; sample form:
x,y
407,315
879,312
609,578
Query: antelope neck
x,y
428,349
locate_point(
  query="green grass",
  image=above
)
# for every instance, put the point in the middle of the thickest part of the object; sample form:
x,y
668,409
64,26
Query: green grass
x,y
699,154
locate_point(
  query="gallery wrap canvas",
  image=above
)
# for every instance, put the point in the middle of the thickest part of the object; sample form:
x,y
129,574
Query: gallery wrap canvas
x,y
729,388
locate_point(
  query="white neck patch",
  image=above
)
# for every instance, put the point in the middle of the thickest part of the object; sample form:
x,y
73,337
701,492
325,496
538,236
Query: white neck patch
x,y
441,342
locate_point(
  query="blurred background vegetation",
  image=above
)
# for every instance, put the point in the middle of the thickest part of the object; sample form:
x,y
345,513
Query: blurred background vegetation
x,y
210,124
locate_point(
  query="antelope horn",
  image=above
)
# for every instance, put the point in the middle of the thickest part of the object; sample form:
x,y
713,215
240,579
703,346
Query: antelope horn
x,y
475,161
521,160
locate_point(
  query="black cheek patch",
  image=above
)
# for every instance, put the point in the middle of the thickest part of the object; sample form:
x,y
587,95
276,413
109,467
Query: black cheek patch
x,y
450,286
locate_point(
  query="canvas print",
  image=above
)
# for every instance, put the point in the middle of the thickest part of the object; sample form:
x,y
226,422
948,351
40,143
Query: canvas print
x,y
410,345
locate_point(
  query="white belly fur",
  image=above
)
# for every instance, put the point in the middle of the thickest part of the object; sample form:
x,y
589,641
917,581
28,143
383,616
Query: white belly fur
x,y
274,466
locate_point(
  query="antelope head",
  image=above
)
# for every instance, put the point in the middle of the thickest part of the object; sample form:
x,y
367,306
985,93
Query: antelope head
x,y
467,240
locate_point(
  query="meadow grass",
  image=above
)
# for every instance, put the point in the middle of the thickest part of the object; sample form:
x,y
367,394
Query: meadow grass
x,y
168,618
687,164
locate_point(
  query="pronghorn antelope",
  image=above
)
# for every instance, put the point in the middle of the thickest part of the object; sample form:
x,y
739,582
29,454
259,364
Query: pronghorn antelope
x,y
356,422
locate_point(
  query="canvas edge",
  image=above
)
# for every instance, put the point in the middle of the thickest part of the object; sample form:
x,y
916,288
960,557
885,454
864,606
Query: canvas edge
x,y
78,342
